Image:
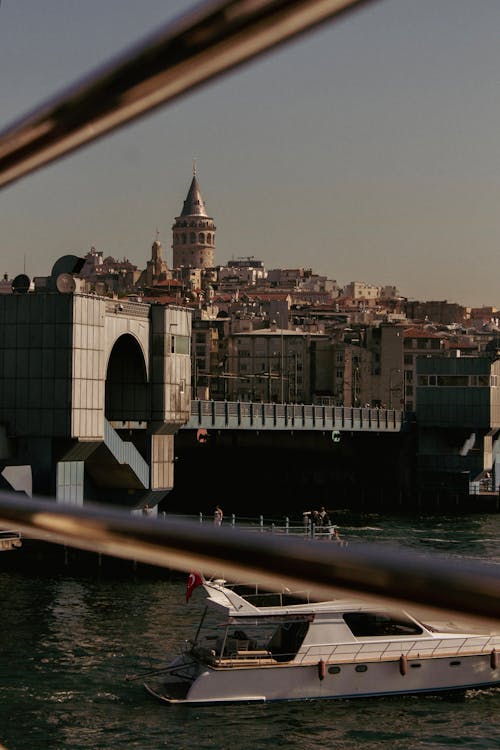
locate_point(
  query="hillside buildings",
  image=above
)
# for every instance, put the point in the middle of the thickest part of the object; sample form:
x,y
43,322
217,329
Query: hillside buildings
x,y
289,335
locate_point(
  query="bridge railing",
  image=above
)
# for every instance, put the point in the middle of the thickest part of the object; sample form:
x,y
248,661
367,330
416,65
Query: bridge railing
x,y
267,526
249,415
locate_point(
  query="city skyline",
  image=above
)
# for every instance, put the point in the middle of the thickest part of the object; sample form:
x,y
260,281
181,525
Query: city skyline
x,y
367,150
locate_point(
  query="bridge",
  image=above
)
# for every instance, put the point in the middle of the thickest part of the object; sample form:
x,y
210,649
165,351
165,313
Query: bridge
x,y
289,457
95,391
244,415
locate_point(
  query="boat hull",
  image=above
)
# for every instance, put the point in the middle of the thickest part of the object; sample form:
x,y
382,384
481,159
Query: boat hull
x,y
321,680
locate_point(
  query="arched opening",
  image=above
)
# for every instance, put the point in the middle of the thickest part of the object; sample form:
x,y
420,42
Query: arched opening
x,y
126,383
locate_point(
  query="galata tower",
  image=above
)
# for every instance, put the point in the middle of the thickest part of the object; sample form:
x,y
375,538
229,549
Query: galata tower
x,y
193,232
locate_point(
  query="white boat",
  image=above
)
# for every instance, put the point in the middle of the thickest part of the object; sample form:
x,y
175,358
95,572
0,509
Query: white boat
x,y
276,647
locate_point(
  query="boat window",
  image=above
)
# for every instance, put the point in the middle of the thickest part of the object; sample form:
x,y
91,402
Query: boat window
x,y
287,639
368,624
334,669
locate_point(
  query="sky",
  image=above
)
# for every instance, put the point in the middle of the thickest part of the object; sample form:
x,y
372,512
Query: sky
x,y
367,150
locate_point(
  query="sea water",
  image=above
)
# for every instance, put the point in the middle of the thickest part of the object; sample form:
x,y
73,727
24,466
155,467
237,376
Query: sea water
x,y
72,648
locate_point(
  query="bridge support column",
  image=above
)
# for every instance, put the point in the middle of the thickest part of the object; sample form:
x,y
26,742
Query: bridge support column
x,y
162,462
70,482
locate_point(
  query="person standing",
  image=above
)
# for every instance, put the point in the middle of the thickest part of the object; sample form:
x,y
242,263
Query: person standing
x,y
325,518
218,515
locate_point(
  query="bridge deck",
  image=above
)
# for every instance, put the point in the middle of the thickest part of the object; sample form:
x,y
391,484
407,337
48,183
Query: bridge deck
x,y
231,415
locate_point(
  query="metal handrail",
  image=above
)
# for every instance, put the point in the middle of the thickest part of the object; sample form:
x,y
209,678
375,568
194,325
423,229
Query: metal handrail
x,y
193,49
185,54
376,572
414,649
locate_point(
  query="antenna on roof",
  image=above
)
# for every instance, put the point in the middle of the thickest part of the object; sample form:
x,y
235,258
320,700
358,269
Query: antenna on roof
x,y
194,167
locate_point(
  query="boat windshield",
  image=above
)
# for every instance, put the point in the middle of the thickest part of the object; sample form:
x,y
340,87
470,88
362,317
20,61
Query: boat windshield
x,y
273,637
263,598
368,624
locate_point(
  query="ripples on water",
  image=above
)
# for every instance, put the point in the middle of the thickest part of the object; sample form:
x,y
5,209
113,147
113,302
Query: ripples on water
x,y
67,644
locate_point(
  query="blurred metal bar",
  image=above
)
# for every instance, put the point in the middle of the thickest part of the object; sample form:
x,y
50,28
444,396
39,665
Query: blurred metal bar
x,y
204,43
436,585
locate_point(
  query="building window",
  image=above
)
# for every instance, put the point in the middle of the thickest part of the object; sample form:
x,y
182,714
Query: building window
x,y
180,344
455,381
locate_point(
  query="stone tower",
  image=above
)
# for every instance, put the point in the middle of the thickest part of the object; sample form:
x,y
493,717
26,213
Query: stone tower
x,y
193,233
156,268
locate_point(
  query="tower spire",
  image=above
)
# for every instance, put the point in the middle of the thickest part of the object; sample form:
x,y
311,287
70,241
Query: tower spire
x,y
193,231
194,204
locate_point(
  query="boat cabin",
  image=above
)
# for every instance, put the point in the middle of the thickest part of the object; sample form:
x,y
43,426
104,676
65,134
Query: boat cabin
x,y
237,628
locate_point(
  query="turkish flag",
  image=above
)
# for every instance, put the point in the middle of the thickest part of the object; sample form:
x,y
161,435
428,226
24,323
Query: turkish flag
x,y
195,579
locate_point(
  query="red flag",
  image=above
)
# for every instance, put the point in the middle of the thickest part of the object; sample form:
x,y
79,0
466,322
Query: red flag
x,y
195,579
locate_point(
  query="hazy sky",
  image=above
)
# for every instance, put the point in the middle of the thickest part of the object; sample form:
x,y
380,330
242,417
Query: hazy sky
x,y
367,150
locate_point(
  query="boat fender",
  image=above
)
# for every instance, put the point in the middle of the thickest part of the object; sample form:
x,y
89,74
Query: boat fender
x,y
321,669
494,659
403,664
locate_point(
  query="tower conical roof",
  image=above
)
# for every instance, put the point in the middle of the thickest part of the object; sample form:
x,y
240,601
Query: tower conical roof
x,y
194,204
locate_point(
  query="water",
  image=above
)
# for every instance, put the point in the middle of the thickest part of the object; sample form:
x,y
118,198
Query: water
x,y
68,643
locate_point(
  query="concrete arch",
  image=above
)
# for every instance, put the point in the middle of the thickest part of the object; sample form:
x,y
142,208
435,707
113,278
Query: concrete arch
x,y
121,319
126,384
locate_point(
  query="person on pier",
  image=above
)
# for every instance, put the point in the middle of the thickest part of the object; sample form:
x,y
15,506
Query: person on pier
x,y
218,515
